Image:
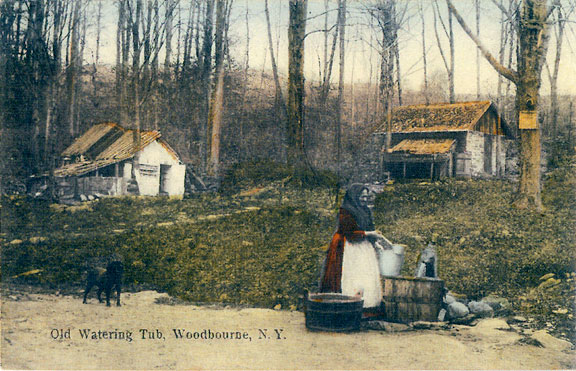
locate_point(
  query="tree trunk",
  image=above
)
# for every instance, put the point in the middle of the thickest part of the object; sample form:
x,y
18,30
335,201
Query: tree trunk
x,y
217,98
71,70
278,97
342,29
533,41
295,127
533,44
424,59
206,73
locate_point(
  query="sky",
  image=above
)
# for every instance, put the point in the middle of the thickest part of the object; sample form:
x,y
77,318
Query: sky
x,y
361,64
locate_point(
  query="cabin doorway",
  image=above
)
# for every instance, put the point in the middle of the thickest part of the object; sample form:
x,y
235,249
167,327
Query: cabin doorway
x,y
488,154
164,179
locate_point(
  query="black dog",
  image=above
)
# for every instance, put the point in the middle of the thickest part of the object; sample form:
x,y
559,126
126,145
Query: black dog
x,y
105,279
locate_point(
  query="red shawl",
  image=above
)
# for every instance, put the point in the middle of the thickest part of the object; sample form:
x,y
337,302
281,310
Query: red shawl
x,y
347,230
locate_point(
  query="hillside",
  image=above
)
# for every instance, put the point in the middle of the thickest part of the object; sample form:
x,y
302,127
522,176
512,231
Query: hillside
x,y
262,243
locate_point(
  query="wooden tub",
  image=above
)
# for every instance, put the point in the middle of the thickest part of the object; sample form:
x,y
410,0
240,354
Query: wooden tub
x,y
410,299
333,312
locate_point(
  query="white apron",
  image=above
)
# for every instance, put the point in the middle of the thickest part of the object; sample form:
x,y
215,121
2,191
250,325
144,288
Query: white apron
x,y
360,272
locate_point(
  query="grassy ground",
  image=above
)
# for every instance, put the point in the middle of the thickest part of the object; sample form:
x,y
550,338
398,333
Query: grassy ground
x,y
261,242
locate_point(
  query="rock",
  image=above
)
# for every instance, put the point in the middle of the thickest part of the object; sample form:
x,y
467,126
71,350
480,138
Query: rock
x,y
395,327
278,307
90,197
496,302
517,319
457,310
442,314
469,320
425,325
449,299
15,242
550,342
385,326
480,309
493,324
83,198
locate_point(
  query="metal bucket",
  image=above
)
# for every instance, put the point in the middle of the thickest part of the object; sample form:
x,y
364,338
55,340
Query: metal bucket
x,y
333,312
391,260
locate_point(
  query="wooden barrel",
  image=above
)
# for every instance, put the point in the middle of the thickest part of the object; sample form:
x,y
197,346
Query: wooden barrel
x,y
333,312
409,299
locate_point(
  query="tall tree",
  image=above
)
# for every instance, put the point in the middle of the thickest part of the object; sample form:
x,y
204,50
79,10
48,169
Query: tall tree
x,y
342,50
559,25
278,96
449,65
533,44
217,98
295,125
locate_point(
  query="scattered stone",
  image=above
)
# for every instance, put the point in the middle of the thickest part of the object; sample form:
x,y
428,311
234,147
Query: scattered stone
x,y
449,299
278,307
517,319
442,315
560,311
457,310
425,325
468,320
480,309
16,242
497,303
550,342
493,324
387,326
83,198
90,197
530,341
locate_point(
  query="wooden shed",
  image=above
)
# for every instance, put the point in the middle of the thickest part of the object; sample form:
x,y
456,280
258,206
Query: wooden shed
x,y
109,160
443,140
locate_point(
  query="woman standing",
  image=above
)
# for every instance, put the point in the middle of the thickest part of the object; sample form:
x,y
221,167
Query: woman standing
x,y
351,263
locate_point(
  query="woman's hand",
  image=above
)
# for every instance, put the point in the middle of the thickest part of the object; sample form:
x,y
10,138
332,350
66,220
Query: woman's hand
x,y
378,240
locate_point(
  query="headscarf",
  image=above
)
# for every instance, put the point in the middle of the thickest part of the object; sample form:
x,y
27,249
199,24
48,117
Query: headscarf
x,y
361,214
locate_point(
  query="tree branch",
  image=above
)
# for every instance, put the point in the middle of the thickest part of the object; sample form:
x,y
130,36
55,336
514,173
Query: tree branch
x,y
506,72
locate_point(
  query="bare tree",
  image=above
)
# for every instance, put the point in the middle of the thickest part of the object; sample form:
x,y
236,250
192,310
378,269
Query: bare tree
x,y
424,53
217,98
533,44
449,65
561,15
342,49
295,124
279,97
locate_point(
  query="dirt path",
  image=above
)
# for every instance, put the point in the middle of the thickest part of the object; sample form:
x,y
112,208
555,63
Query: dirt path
x,y
29,322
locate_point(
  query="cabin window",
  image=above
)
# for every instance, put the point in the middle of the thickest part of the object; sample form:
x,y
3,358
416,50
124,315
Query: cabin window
x,y
148,170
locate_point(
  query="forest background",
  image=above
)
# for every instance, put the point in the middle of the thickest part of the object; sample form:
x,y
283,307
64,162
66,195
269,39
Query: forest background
x,y
212,75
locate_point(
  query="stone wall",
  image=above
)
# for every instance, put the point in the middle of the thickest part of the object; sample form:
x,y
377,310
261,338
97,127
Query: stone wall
x,y
475,147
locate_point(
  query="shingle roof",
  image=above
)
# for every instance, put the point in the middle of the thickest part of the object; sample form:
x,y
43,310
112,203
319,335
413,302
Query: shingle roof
x,y
424,146
437,117
106,144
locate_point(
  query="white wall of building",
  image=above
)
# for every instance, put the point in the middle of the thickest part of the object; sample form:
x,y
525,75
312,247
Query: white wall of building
x,y
151,158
